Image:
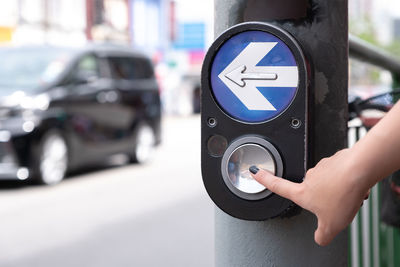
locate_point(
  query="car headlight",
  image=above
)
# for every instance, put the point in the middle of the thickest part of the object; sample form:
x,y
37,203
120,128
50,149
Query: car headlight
x,y
40,102
5,136
20,105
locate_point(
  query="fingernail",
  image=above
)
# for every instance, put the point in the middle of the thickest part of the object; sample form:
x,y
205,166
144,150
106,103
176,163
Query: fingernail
x,y
254,169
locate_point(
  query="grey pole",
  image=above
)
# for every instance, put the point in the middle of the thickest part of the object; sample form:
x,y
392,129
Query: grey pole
x,y
321,28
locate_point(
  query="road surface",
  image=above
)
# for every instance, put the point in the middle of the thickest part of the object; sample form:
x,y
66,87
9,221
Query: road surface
x,y
157,214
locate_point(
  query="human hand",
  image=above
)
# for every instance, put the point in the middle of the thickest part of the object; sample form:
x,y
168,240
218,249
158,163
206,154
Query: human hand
x,y
333,190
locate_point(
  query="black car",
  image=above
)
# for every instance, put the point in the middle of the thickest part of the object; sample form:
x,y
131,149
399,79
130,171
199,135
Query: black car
x,y
62,108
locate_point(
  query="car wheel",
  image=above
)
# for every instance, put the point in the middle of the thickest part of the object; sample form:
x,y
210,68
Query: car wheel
x,y
144,144
53,158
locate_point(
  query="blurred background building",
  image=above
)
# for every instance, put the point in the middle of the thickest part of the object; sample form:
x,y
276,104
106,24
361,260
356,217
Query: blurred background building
x,y
376,17
174,33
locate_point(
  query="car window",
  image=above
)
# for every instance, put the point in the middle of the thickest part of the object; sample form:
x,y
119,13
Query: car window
x,y
88,67
130,68
144,68
30,68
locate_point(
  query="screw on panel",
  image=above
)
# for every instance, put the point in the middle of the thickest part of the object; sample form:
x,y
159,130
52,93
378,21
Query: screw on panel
x,y
295,123
212,122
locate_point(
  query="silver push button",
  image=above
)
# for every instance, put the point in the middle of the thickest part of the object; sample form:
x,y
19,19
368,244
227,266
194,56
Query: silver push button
x,y
238,167
242,154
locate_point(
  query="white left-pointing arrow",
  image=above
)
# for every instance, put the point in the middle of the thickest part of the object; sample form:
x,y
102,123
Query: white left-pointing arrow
x,y
242,76
239,76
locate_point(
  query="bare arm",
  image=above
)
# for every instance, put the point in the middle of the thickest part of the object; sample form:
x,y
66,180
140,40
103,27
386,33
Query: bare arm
x,y
335,189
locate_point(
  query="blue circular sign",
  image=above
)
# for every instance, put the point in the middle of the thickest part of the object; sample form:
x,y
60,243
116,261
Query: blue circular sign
x,y
254,76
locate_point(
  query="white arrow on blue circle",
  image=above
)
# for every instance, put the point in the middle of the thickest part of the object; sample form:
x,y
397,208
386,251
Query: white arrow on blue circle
x,y
242,76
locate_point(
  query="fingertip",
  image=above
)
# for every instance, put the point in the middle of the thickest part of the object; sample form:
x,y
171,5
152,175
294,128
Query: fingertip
x,y
258,173
254,170
277,184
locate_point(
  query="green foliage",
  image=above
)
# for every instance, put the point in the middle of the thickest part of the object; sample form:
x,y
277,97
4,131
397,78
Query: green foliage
x,y
364,29
394,48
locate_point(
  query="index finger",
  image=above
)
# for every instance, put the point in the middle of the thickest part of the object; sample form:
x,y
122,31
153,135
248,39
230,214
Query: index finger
x,y
277,185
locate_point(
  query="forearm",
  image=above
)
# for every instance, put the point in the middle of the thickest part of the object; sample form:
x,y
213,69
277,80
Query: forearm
x,y
377,155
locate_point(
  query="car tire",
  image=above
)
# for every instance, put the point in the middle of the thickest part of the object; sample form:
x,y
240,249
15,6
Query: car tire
x,y
52,158
144,144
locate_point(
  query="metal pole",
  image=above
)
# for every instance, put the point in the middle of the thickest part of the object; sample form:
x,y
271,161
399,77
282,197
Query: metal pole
x,y
89,19
321,28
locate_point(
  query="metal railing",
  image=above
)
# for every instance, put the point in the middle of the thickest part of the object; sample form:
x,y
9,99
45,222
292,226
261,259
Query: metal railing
x,y
364,51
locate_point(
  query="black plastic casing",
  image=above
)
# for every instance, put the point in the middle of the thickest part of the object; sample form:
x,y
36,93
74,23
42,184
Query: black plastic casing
x,y
290,142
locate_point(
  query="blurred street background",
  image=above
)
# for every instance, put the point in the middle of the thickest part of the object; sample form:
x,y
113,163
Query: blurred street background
x,y
156,213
